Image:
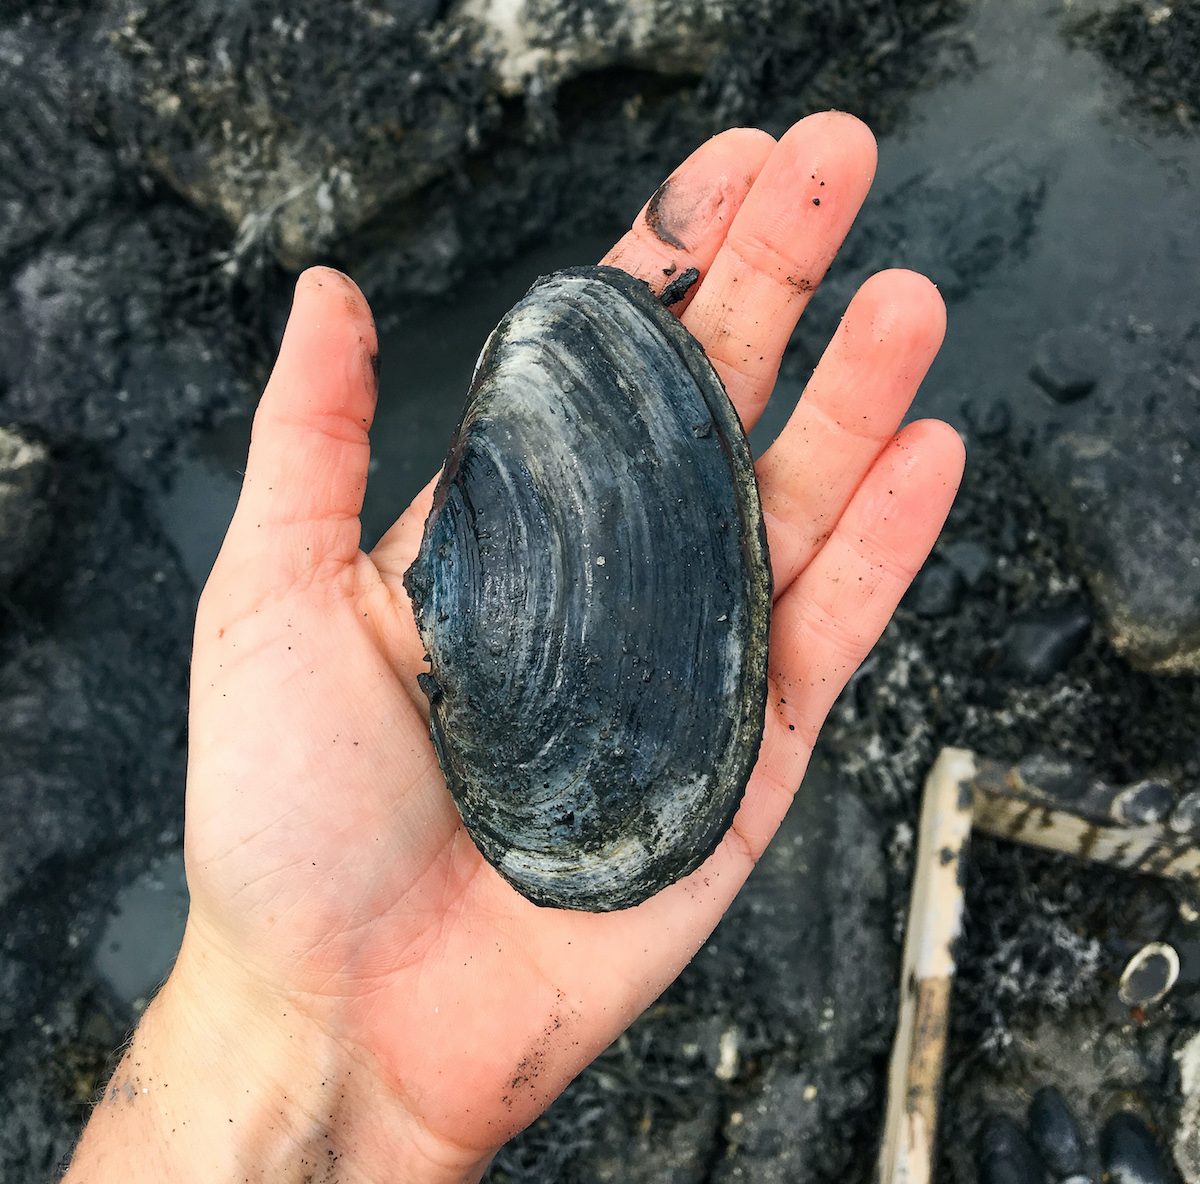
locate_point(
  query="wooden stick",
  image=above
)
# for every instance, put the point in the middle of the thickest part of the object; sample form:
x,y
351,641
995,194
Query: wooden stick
x,y
934,922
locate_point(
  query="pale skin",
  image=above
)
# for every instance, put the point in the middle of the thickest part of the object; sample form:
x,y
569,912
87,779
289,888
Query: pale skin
x,y
359,996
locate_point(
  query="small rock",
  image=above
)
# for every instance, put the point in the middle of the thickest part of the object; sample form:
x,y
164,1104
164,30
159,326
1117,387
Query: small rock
x,y
1005,1155
971,560
1129,1153
1065,363
1039,645
727,1055
1056,1132
1056,776
936,591
1144,803
679,287
1185,818
988,420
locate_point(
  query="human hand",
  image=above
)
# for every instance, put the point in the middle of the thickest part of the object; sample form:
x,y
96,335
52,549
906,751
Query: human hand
x,y
358,991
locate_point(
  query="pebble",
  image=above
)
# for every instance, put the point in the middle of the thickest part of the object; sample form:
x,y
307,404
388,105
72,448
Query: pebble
x,y
1144,803
1056,1133
1055,775
1129,1153
1005,1155
1185,818
988,420
679,287
937,591
727,1055
1065,363
971,560
1039,645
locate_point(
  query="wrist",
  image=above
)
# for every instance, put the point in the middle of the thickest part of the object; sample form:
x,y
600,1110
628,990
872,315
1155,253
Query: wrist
x,y
225,1081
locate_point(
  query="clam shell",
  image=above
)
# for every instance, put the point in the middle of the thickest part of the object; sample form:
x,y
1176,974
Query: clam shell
x,y
594,593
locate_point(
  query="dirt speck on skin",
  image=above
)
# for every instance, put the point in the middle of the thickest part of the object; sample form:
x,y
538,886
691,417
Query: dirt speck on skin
x,y
527,1074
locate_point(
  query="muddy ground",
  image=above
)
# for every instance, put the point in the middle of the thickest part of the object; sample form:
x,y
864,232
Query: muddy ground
x,y
164,175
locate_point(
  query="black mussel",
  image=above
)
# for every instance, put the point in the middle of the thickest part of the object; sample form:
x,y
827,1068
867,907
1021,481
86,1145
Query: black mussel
x,y
1056,1133
1129,1152
1005,1156
594,593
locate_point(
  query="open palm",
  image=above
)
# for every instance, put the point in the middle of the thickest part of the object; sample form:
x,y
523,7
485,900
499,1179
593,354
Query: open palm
x,y
325,856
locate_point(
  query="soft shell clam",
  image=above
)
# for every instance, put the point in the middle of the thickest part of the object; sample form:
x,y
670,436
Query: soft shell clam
x,y
594,594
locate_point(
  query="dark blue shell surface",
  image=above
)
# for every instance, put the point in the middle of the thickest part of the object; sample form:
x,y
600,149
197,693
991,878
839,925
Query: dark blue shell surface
x,y
594,594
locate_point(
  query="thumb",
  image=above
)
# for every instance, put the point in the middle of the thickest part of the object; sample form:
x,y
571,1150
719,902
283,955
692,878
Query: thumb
x,y
298,514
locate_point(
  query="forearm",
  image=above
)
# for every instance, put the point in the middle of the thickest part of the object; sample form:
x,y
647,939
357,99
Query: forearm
x,y
220,1086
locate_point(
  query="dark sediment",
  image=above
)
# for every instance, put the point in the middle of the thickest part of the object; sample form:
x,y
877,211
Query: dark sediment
x,y
93,661
1156,49
120,318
